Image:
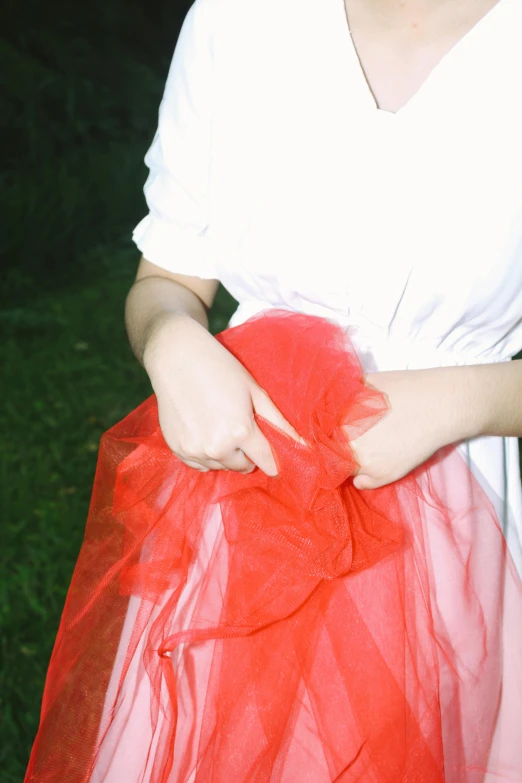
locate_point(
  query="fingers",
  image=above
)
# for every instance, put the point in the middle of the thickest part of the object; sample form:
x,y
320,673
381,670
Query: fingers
x,y
236,460
362,482
243,446
254,450
258,450
257,447
240,462
264,406
194,465
221,452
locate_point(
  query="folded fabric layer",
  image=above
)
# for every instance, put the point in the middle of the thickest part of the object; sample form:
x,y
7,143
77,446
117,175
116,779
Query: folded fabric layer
x,y
356,635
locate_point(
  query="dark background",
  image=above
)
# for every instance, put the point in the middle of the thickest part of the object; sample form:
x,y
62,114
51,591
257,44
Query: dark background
x,y
79,95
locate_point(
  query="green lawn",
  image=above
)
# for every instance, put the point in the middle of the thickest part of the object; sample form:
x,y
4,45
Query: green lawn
x,y
69,375
81,86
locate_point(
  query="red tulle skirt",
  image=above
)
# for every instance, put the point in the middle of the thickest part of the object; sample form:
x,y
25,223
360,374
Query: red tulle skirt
x,y
222,628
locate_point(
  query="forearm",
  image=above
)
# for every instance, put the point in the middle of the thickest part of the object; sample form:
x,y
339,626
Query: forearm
x,y
462,402
432,408
495,398
155,302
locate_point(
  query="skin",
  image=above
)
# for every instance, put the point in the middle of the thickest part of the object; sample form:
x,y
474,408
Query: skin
x,y
399,42
208,419
206,398
432,408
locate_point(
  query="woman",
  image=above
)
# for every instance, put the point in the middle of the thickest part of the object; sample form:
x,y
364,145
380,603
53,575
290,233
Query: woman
x,y
358,162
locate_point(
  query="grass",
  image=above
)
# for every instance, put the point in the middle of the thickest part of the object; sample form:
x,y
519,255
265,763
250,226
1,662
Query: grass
x,y
71,376
80,89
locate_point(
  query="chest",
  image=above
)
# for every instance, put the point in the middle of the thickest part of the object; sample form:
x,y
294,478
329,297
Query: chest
x,y
397,55
314,190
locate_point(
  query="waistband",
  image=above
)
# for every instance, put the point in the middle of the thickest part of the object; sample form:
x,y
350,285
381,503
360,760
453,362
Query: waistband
x,y
379,351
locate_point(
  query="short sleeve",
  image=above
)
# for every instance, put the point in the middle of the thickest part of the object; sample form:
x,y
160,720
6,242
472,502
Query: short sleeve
x,y
174,233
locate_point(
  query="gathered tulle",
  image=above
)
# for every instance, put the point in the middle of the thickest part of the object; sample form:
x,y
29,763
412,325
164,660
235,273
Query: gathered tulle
x,y
223,628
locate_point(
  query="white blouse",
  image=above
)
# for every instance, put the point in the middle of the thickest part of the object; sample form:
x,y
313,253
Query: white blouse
x,y
274,171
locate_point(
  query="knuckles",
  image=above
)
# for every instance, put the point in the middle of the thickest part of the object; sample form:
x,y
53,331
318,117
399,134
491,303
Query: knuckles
x,y
240,432
190,445
216,449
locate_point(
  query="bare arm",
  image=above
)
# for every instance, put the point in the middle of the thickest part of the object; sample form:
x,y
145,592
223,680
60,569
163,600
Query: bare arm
x,y
496,398
206,398
158,297
435,407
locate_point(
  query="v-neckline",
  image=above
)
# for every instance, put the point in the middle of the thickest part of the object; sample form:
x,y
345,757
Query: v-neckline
x,y
441,64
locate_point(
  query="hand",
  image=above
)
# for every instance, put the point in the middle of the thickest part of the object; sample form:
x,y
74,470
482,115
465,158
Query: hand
x,y
207,400
426,412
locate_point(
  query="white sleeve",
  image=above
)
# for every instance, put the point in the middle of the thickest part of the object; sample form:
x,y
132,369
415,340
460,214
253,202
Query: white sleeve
x,y
174,233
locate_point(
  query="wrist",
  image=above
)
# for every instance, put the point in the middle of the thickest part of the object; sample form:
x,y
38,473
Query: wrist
x,y
166,332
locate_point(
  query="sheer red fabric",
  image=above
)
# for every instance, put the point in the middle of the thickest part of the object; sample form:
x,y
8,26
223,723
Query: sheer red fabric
x,y
222,628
